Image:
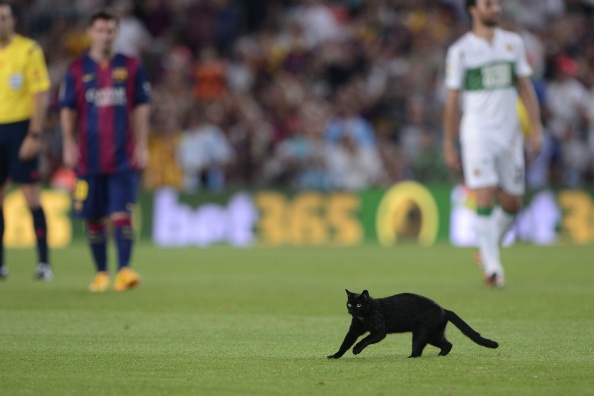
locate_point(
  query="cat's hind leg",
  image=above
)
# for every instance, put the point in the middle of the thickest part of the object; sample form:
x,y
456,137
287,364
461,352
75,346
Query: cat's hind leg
x,y
442,343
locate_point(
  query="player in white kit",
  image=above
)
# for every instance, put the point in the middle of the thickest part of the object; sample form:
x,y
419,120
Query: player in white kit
x,y
487,69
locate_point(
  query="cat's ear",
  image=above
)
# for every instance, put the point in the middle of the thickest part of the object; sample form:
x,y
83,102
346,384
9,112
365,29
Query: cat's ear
x,y
348,292
365,294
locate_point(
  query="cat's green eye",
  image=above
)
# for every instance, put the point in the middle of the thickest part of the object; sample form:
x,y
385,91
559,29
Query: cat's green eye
x,y
358,305
349,305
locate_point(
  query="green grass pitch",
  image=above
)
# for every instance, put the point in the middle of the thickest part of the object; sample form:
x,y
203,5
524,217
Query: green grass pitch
x,y
260,321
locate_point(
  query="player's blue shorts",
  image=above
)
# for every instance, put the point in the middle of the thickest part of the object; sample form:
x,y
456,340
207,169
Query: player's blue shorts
x,y
11,138
98,196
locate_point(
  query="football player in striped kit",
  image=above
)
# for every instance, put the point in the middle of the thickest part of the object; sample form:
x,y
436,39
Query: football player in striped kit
x,y
104,103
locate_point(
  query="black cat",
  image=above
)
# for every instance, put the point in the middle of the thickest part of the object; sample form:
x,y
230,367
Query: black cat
x,y
398,314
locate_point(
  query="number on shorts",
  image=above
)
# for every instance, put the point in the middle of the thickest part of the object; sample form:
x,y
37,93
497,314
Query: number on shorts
x,y
81,191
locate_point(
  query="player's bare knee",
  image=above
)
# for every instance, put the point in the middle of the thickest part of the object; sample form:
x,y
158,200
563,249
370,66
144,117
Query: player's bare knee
x,y
510,203
32,194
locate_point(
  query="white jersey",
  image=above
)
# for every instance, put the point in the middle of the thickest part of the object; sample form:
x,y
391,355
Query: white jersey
x,y
486,73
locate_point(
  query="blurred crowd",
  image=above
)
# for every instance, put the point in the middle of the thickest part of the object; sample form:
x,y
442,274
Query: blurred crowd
x,y
331,95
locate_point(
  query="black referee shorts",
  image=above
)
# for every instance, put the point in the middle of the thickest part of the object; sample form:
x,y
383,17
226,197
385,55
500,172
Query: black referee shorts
x,y
11,138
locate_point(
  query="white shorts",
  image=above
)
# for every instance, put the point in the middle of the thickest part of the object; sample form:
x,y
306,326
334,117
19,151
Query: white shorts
x,y
487,165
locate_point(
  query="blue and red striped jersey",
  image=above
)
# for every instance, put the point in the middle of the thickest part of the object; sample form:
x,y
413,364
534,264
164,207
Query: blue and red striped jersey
x,y
104,96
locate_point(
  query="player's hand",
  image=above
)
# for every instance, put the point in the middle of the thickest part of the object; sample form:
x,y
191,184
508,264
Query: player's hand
x,y
141,156
70,153
534,142
451,158
30,148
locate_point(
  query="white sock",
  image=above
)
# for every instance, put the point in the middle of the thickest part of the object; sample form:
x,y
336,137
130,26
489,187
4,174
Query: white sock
x,y
503,221
488,244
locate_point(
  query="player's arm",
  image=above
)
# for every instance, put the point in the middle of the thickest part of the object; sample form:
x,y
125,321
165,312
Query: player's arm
x,y
70,151
40,103
528,97
32,143
140,118
451,121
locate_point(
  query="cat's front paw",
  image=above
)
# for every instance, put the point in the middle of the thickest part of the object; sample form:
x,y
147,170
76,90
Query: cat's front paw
x,y
335,356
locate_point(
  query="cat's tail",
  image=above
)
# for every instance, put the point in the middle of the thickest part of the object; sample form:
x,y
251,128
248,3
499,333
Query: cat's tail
x,y
469,331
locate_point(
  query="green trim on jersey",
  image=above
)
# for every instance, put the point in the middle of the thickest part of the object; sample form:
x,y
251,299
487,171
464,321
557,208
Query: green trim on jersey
x,y
495,75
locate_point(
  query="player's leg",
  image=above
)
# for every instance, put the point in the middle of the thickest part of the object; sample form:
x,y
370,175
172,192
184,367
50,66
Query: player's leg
x,y
488,235
510,169
505,213
510,166
481,177
32,194
4,170
88,203
3,268
122,197
26,174
97,240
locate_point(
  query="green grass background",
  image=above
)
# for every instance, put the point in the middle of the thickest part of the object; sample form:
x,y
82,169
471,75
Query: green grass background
x,y
261,321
